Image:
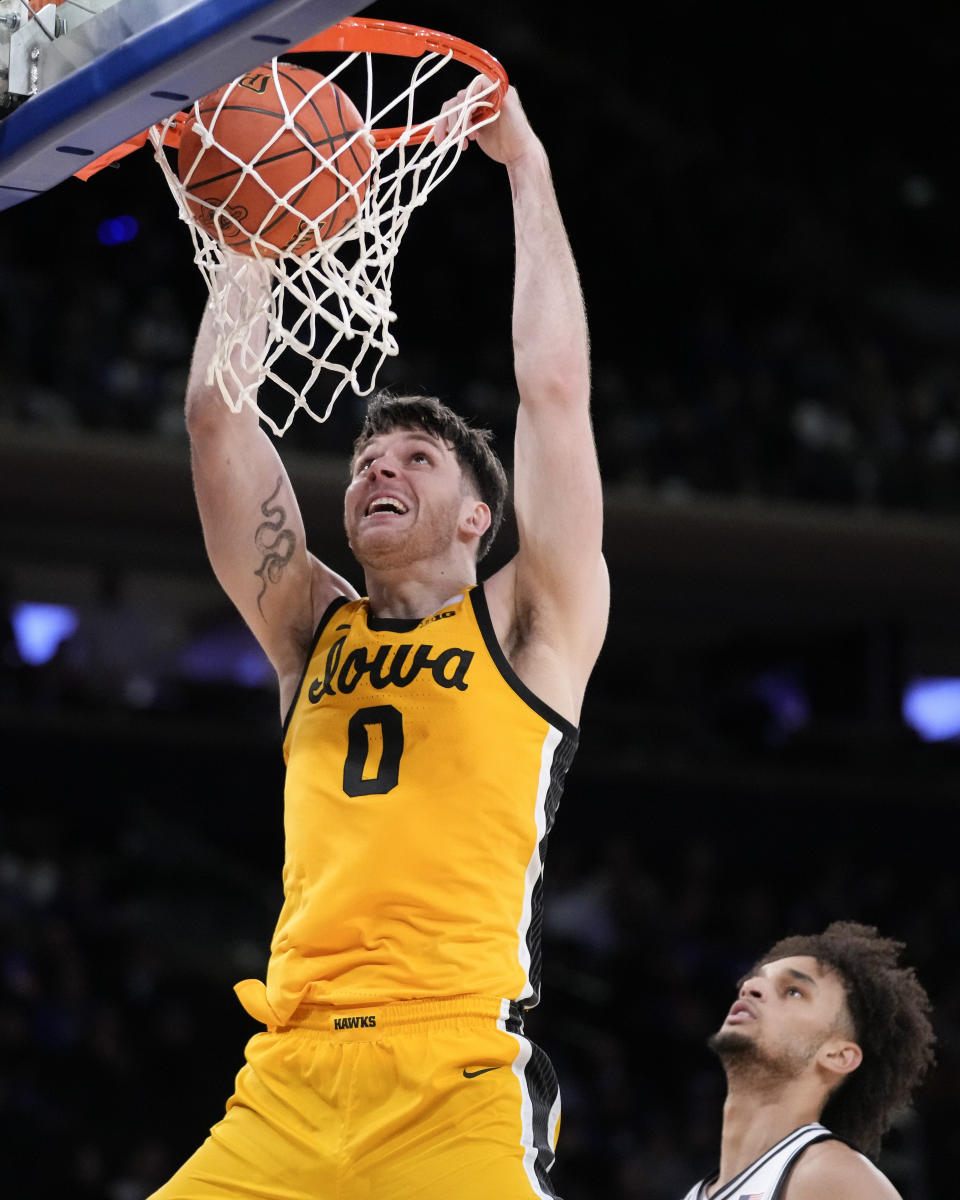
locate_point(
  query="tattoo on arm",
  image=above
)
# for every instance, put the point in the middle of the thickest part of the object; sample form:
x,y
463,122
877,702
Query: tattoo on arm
x,y
278,550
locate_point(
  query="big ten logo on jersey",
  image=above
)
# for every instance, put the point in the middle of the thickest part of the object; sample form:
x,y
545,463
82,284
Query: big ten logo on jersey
x,y
256,81
393,665
440,616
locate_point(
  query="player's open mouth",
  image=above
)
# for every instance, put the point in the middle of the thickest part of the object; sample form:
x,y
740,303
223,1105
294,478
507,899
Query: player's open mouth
x,y
385,504
741,1011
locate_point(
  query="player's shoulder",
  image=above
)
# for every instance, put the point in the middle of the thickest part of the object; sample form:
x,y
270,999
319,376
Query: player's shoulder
x,y
832,1168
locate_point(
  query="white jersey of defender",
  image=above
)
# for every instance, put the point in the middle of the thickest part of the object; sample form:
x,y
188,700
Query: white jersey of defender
x,y
764,1179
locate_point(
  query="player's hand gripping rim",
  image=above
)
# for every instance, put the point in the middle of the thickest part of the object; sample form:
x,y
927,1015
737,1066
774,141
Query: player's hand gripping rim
x,y
471,109
504,135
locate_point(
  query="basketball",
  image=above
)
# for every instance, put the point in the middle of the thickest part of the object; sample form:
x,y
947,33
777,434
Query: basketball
x,y
291,128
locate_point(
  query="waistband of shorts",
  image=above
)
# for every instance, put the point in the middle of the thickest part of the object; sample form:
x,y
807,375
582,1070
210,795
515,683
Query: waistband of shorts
x,y
370,1021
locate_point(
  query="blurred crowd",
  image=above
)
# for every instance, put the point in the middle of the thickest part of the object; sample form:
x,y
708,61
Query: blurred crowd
x,y
788,406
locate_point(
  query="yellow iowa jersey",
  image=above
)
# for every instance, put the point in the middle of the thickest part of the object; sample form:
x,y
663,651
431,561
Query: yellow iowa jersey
x,y
422,781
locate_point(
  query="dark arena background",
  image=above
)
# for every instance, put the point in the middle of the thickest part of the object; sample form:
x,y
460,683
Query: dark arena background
x,y
765,211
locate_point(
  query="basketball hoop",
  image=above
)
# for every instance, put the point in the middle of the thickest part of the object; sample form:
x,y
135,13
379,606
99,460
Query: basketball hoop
x,y
330,305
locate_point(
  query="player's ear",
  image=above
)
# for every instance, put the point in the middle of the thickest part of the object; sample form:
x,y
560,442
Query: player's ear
x,y
475,517
840,1056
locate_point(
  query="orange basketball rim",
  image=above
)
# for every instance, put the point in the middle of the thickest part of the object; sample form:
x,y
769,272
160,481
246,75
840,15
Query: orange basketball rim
x,y
350,36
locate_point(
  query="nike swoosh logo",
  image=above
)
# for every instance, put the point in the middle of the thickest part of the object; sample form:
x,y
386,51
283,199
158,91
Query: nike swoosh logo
x,y
483,1070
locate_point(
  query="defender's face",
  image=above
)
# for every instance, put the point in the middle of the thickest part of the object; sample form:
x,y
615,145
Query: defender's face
x,y
792,1004
404,499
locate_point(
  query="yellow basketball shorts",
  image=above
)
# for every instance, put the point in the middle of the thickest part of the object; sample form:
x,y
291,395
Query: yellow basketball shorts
x,y
410,1101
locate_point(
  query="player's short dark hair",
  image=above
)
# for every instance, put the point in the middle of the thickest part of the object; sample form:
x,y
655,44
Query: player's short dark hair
x,y
472,446
890,1013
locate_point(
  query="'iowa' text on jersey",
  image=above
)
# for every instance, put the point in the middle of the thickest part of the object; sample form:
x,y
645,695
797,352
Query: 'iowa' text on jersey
x,y
389,668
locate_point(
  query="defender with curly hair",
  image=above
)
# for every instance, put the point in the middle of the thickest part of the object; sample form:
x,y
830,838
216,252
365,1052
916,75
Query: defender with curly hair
x,y
826,1028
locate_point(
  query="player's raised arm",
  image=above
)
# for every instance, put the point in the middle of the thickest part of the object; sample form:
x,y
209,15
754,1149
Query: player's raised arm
x,y
558,578
251,521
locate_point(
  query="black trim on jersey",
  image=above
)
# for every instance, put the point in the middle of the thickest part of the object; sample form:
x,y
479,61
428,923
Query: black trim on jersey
x,y
826,1136
335,603
392,624
559,766
727,1192
543,1089
481,611
562,758
788,1169
514,1021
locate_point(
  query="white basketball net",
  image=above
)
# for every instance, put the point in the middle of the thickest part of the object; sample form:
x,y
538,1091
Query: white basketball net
x,y
329,307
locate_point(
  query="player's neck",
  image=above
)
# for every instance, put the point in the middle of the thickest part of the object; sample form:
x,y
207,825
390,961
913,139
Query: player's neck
x,y
757,1117
401,595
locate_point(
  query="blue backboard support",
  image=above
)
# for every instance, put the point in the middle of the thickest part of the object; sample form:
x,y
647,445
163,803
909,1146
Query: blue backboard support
x,y
135,64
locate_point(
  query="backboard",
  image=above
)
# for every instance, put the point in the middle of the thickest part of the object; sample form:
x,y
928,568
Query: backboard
x,y
80,78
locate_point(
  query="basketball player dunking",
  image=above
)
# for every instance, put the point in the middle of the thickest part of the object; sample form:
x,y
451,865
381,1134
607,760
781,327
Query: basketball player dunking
x,y
825,1026
428,729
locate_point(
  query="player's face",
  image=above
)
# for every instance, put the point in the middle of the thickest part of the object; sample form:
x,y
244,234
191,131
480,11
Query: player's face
x,y
405,501
784,1013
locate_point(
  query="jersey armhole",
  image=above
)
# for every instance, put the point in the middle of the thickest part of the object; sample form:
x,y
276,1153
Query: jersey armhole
x,y
336,603
779,1191
481,611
